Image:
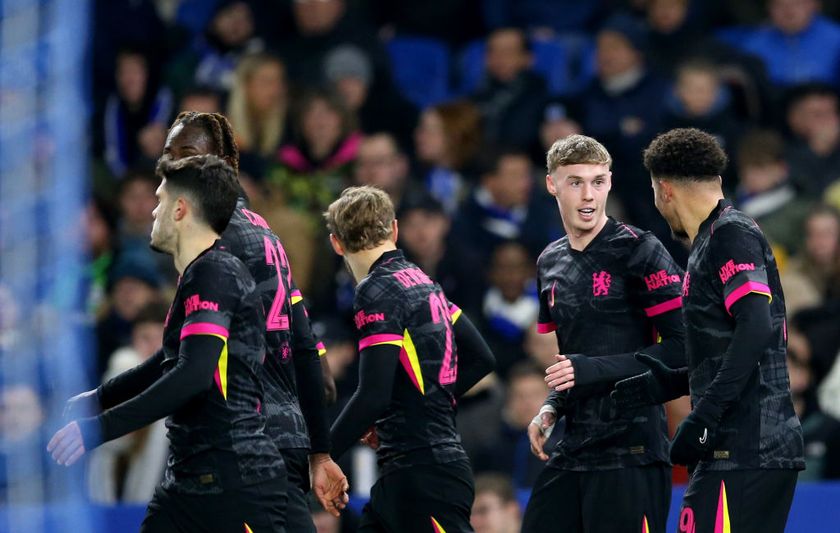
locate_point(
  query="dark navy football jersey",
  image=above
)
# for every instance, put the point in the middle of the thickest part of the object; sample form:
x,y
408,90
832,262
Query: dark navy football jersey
x,y
731,258
249,237
221,431
397,304
609,299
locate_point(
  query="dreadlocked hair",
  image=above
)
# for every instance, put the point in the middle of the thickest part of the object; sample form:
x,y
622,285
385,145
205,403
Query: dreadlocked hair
x,y
219,128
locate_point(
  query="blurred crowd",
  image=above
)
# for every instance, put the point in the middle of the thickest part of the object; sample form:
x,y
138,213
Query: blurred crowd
x,y
449,106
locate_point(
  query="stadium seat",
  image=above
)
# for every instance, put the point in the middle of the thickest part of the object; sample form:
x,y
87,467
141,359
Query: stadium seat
x,y
421,69
567,62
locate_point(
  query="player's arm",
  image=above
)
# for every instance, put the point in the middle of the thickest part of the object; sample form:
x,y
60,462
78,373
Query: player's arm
x,y
377,369
655,284
475,359
113,392
309,377
746,297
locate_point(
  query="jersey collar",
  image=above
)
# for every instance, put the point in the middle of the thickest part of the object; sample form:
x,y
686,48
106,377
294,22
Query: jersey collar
x,y
722,205
386,258
606,231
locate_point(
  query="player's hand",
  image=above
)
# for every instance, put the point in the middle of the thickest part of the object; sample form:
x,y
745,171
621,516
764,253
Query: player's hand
x,y
328,483
67,445
370,438
561,375
82,406
538,432
693,440
658,385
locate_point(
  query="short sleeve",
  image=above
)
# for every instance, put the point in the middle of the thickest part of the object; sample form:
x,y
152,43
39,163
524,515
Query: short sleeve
x,y
737,256
545,322
211,295
377,314
657,277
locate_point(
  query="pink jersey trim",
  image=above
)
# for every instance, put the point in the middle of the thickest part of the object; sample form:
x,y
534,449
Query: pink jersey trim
x,y
204,328
379,339
745,289
664,307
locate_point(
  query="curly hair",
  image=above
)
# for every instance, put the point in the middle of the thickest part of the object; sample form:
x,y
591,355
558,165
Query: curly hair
x,y
685,154
218,128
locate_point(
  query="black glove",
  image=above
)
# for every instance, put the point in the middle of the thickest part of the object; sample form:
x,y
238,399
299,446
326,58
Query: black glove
x,y
694,438
82,405
658,385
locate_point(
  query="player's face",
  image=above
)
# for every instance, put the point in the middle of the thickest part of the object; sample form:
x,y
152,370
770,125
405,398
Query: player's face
x,y
184,141
163,228
581,192
664,203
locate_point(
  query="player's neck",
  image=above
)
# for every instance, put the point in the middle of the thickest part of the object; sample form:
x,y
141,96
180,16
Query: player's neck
x,y
192,245
361,261
694,212
580,239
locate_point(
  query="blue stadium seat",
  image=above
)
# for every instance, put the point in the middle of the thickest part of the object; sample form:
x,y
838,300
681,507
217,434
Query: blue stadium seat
x,y
421,69
567,62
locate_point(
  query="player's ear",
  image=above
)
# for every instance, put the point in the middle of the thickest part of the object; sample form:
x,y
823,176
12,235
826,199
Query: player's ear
x,y
336,245
394,231
181,208
549,184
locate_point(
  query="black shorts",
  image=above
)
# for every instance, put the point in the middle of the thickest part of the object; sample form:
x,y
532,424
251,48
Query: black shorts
x,y
632,500
298,516
260,508
423,499
743,500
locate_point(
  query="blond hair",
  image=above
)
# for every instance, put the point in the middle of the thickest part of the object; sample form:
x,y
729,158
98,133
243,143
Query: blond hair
x,y
576,150
260,134
361,218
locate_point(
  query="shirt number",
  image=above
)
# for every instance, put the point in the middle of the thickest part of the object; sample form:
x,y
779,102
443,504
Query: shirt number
x,y
440,313
275,255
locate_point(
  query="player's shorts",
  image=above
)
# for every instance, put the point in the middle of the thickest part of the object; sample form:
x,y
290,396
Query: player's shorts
x,y
431,498
628,500
259,508
298,515
737,500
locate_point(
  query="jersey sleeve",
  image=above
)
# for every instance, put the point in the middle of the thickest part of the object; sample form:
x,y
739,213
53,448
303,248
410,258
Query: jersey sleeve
x,y
378,316
545,322
657,277
737,257
211,294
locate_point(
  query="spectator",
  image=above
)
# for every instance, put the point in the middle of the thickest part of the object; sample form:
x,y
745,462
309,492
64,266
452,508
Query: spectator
x,y
25,476
506,206
557,123
130,468
136,115
314,168
798,45
510,304
540,16
819,262
134,283
100,222
381,163
446,141
623,109
814,154
258,105
540,348
496,508
424,227
212,58
350,72
201,100
701,101
454,21
510,96
510,451
765,192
